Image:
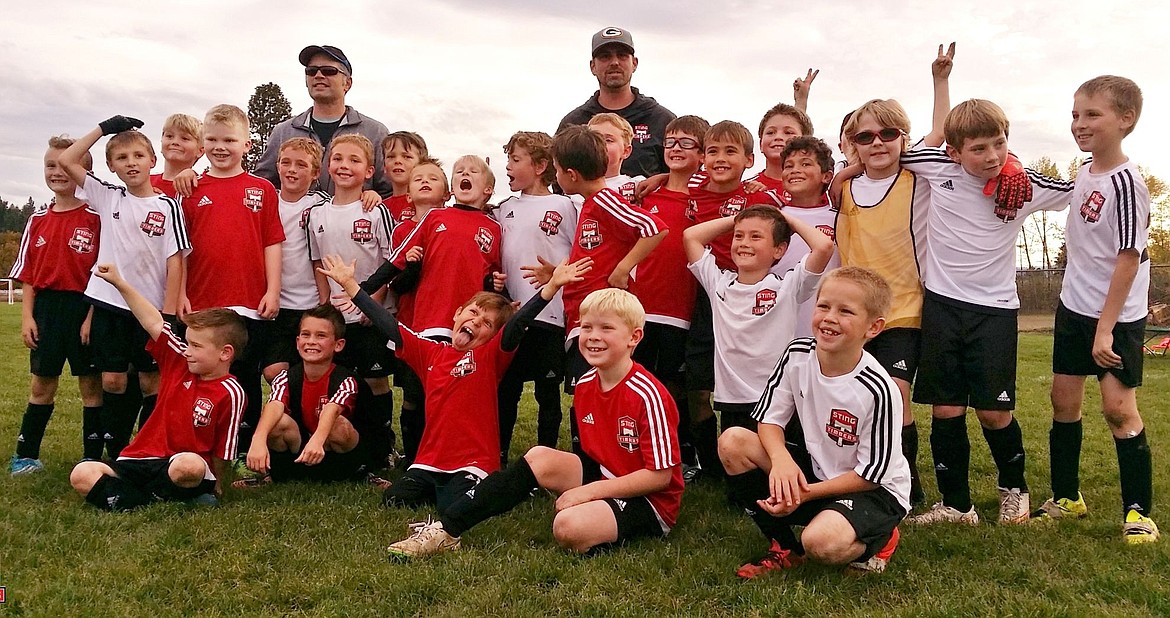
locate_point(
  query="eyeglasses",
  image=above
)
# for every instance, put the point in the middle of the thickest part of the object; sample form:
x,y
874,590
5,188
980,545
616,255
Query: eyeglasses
x,y
866,138
685,143
327,71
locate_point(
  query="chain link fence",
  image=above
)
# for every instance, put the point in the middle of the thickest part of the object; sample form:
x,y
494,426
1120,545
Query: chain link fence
x,y
1039,289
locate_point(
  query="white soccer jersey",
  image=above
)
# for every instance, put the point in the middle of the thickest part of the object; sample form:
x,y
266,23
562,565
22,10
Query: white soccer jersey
x,y
752,324
824,218
1110,213
347,231
851,422
298,284
972,251
138,235
531,226
624,185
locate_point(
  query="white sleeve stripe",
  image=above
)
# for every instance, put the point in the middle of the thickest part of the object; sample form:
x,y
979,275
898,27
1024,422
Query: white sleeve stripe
x,y
803,345
656,418
279,386
417,229
627,214
173,342
1124,191
238,403
22,253
882,427
345,392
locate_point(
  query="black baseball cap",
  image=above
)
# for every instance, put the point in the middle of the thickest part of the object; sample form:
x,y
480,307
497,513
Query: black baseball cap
x,y
612,35
329,50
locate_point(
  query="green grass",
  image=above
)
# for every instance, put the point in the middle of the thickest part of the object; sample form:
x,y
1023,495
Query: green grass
x,y
308,550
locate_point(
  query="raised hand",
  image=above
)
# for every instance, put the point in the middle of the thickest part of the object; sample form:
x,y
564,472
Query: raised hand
x,y
117,124
941,67
566,273
802,87
335,268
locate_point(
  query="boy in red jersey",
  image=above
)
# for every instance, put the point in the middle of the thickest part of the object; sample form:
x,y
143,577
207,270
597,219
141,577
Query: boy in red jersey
x,y
183,450
182,145
626,483
57,251
234,223
404,150
781,123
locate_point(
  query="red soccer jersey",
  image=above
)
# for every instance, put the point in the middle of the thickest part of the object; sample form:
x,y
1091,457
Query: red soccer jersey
x,y
708,206
461,246
663,284
314,395
230,221
400,207
405,301
632,426
192,415
162,184
58,249
463,424
773,184
607,228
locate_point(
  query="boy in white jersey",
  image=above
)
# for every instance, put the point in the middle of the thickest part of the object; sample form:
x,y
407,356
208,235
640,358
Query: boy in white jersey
x,y
970,305
1102,314
827,455
144,235
341,227
753,310
619,144
533,225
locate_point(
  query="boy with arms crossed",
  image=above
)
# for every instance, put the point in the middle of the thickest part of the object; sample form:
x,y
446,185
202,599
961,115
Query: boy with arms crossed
x,y
827,455
57,253
1100,322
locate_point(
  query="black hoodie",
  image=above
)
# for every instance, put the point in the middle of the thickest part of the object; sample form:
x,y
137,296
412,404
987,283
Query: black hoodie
x,y
649,120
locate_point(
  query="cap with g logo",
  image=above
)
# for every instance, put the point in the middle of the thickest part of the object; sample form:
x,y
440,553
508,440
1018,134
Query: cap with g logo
x,y
307,54
612,34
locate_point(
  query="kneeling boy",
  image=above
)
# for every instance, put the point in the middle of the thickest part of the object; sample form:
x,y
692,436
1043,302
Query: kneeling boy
x,y
184,448
844,476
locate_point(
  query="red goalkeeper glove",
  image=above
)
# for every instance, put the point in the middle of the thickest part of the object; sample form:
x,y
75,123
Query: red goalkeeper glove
x,y
1011,188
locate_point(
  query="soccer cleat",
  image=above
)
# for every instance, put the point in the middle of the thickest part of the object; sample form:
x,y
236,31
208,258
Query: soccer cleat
x,y
427,539
25,465
379,482
252,482
941,513
879,561
1013,506
777,559
691,473
1139,529
1060,508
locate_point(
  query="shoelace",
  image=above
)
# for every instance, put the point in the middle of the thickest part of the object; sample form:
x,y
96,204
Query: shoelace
x,y
1012,502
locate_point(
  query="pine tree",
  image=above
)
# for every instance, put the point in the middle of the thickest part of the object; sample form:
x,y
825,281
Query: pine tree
x,y
267,108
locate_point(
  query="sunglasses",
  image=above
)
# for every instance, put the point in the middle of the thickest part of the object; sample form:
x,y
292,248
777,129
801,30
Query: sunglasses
x,y
685,143
327,71
866,138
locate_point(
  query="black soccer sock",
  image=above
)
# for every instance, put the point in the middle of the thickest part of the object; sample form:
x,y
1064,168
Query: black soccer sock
x,y
499,493
382,407
1007,449
951,449
548,411
1064,458
1136,467
146,410
706,441
32,429
112,493
574,435
92,439
910,452
413,420
250,380
508,402
743,490
113,417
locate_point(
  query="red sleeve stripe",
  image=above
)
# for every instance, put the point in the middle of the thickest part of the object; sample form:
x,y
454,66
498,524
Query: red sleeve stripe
x,y
627,214
664,455
279,387
22,253
238,402
345,393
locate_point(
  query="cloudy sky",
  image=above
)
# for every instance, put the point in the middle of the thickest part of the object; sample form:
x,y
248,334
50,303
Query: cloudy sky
x,y
466,74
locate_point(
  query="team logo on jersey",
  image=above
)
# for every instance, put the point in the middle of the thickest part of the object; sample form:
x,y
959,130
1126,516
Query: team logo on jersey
x,y
627,190
485,239
305,218
253,198
627,436
828,230
642,133
82,240
842,427
154,223
407,212
465,366
733,206
363,231
692,210
1091,208
590,235
201,414
765,300
321,401
551,224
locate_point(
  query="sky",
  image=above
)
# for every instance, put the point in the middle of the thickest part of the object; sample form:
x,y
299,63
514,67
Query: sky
x,y
466,74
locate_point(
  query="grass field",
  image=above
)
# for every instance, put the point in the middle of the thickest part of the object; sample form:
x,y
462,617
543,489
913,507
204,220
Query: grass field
x,y
306,550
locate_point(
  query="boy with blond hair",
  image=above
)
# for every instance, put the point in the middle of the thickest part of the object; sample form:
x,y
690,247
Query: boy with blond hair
x,y
403,150
827,454
619,140
1100,322
182,145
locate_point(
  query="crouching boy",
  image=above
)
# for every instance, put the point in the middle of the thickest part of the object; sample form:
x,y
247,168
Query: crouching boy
x,y
844,476
184,448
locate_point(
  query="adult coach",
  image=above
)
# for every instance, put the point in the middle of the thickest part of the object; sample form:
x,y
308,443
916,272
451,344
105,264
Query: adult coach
x,y
613,65
328,76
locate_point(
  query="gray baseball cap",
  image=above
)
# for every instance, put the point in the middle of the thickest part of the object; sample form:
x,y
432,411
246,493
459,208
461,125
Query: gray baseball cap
x,y
610,35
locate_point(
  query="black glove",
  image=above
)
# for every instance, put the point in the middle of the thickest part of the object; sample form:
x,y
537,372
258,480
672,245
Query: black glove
x,y
117,124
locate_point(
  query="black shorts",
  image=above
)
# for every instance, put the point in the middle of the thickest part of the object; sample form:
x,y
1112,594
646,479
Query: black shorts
x,y
141,481
663,351
406,379
736,415
419,487
366,353
281,346
700,346
59,315
350,465
260,334
635,516
872,514
575,364
1072,347
897,350
541,355
968,356
118,341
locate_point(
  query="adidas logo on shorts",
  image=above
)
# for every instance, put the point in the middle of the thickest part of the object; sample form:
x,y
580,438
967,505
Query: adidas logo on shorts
x,y
376,367
846,503
621,504
588,420
551,374
1003,397
901,365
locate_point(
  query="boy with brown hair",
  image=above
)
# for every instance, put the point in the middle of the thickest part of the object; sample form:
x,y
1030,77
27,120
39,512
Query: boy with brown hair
x,y
182,145
403,150
781,123
185,448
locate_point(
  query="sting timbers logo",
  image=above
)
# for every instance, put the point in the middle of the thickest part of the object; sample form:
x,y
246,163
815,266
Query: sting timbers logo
x,y
305,218
363,231
407,213
201,414
465,366
642,133
842,427
828,230
733,206
765,300
692,210
551,224
153,224
253,198
627,436
590,235
82,240
627,190
1091,208
485,239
